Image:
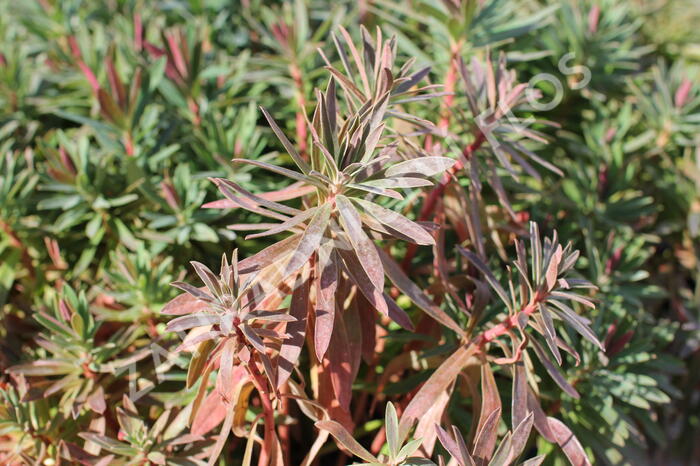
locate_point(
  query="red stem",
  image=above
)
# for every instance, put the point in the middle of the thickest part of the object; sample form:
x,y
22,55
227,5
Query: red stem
x,y
450,82
301,111
268,411
504,326
438,191
283,430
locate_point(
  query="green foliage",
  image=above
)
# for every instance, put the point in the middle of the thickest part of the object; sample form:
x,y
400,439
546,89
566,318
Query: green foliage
x,y
376,175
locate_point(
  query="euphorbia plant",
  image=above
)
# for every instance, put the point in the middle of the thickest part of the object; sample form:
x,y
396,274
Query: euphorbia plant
x,y
332,267
481,347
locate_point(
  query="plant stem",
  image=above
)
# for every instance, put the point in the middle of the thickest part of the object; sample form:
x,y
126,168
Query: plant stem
x,y
438,191
504,326
268,412
450,82
300,122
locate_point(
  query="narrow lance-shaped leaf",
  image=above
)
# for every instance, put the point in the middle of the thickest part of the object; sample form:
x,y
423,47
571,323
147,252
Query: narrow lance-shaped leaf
x,y
410,289
439,381
344,438
424,166
490,403
285,142
327,283
291,347
363,246
391,425
552,370
397,222
310,239
568,442
483,268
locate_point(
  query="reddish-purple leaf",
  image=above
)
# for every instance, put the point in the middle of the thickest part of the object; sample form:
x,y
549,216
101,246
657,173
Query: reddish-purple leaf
x,y
187,322
397,222
184,304
490,403
363,246
568,442
274,206
194,291
285,142
485,440
282,171
270,255
541,423
358,276
519,407
310,239
438,382
338,363
225,379
367,324
346,440
327,283
285,226
553,371
424,428
553,268
550,335
291,347
410,289
253,338
269,316
207,277
398,315
520,436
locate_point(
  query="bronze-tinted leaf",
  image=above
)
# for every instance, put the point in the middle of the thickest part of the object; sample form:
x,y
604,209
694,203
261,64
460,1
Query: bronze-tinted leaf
x,y
424,166
487,426
338,363
363,246
194,291
553,268
397,222
550,334
221,440
285,226
568,442
346,440
519,407
484,269
291,347
359,277
225,185
577,322
239,400
442,378
187,322
552,370
326,285
485,440
310,240
520,436
183,304
198,362
410,289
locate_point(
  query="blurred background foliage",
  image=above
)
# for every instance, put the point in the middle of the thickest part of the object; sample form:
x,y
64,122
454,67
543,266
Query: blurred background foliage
x,y
114,114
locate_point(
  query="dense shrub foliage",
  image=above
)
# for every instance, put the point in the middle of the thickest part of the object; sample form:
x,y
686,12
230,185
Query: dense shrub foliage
x,y
459,232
